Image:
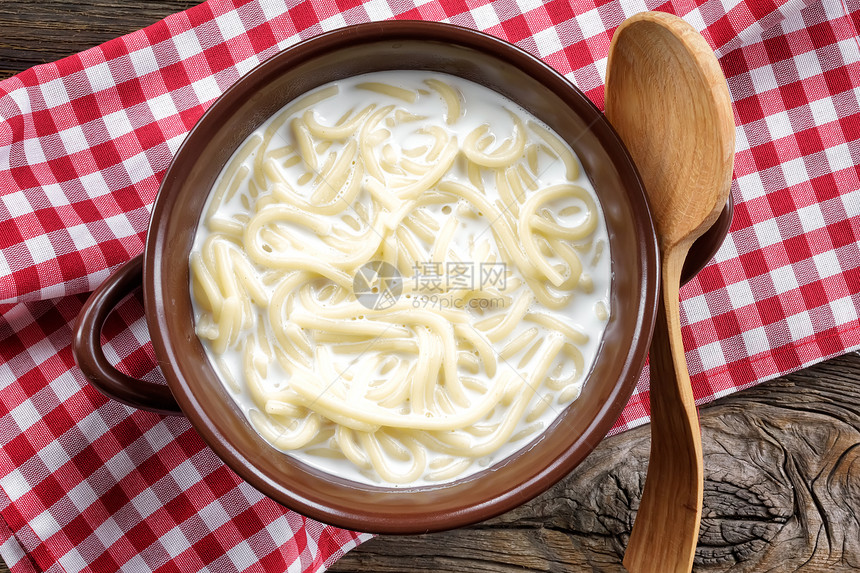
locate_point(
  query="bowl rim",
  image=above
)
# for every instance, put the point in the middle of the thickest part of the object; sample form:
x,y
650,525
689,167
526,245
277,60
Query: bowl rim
x,y
292,497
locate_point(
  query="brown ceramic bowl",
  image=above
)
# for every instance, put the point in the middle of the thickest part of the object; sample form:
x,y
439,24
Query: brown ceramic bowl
x,y
193,383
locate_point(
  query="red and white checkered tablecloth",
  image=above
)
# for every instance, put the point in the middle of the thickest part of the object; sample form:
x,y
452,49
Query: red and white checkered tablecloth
x,y
87,484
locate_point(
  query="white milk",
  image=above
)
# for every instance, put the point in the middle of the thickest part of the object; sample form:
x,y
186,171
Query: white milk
x,y
587,311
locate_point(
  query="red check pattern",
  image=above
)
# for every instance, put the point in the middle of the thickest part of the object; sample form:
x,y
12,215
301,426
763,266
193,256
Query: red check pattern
x,y
87,484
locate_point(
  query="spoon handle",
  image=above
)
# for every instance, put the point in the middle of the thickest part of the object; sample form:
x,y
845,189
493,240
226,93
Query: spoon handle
x,y
667,524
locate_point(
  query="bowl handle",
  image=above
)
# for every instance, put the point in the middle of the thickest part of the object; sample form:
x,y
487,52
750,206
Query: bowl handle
x,y
90,356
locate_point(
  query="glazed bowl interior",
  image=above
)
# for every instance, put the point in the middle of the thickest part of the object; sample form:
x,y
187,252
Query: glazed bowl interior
x,y
357,50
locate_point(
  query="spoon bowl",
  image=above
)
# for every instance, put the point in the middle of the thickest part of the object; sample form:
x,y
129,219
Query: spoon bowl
x,y
667,97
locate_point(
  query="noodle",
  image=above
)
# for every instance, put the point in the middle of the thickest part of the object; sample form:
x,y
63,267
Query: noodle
x,y
474,348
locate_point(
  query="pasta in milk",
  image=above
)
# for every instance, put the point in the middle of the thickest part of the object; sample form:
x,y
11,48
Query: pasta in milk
x,y
402,278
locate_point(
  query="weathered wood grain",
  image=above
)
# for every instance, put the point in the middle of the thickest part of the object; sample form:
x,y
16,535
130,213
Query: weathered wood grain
x,y
37,31
782,493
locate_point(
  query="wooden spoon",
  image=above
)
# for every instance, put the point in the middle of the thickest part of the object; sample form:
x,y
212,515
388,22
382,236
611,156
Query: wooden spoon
x,y
668,99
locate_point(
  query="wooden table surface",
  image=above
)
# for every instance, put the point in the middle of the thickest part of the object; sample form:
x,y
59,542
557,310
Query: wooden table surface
x,y
782,460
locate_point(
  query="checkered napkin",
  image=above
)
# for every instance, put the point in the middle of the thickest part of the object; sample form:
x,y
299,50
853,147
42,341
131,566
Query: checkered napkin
x,y
87,484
